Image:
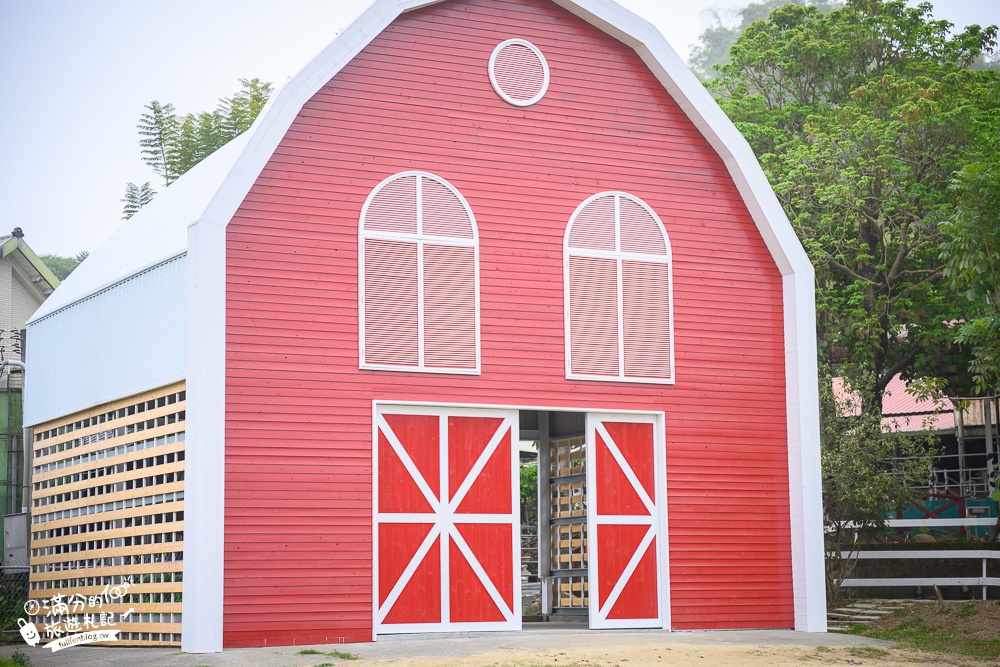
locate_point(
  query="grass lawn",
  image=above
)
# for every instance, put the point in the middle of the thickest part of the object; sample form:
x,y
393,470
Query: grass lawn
x,y
969,629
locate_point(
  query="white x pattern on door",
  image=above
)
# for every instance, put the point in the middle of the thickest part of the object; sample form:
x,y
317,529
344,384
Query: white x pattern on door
x,y
626,522
450,518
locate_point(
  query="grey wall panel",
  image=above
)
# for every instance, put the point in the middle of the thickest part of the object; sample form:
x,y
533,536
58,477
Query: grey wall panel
x,y
121,341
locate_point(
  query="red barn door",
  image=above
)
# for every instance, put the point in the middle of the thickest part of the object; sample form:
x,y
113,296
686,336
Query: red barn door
x,y
627,521
447,520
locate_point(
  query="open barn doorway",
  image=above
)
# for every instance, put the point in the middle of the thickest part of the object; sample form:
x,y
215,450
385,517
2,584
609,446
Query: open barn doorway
x,y
593,528
553,456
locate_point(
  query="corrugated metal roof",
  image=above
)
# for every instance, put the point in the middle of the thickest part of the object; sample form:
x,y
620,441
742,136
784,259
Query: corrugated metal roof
x,y
157,233
943,421
902,411
898,401
127,340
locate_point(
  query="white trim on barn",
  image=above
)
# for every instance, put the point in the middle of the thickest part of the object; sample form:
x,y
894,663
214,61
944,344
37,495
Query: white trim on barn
x,y
205,468
805,486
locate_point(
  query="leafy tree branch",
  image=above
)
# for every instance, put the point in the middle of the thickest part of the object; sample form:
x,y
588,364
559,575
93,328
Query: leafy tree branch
x,y
172,144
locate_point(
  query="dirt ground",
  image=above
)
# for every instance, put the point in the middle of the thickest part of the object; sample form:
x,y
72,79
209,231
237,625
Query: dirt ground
x,y
640,653
941,633
538,649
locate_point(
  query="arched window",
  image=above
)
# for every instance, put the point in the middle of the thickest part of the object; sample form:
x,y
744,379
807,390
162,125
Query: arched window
x,y
418,277
619,316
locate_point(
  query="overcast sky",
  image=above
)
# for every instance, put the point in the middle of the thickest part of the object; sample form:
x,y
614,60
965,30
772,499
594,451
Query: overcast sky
x,y
77,74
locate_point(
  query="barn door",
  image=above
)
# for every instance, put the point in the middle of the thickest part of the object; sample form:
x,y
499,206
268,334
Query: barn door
x,y
447,522
626,523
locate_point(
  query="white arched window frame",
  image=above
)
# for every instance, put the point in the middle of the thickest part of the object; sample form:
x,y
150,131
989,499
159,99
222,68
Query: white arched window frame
x,y
618,311
418,278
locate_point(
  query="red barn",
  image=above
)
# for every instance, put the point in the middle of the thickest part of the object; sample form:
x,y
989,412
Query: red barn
x,y
466,224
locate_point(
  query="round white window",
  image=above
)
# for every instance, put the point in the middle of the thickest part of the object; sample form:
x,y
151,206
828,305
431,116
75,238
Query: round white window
x,y
518,72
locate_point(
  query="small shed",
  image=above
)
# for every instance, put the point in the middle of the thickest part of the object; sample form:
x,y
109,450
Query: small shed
x,y
309,363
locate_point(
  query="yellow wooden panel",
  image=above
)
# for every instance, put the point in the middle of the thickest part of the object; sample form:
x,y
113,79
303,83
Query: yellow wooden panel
x,y
127,439
165,448
110,425
172,628
138,473
159,508
113,552
111,571
136,589
136,607
129,494
150,529
78,578
134,642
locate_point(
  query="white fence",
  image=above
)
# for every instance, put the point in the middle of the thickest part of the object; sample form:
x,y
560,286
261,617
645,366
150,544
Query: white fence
x,y
985,555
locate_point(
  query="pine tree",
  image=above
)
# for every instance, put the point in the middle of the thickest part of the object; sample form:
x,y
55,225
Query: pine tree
x,y
135,198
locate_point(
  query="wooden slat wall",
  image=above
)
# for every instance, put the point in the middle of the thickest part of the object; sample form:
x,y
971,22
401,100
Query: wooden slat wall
x,y
108,503
298,409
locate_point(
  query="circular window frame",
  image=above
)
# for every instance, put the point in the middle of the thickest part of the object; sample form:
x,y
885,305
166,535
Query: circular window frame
x,y
496,86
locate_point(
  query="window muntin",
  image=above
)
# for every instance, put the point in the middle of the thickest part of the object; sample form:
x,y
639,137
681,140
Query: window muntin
x,y
618,297
418,278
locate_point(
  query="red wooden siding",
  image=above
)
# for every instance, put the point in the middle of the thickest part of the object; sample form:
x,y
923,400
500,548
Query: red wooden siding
x,y
298,562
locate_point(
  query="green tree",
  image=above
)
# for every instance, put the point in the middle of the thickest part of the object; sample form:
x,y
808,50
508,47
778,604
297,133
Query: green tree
x,y
172,145
237,113
867,472
727,25
63,266
135,198
158,130
529,494
860,117
972,264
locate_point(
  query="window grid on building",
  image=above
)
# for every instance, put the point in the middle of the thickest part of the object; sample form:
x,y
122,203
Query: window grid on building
x,y
108,505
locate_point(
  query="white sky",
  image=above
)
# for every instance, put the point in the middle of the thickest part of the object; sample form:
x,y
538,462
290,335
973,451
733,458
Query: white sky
x,y
76,76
